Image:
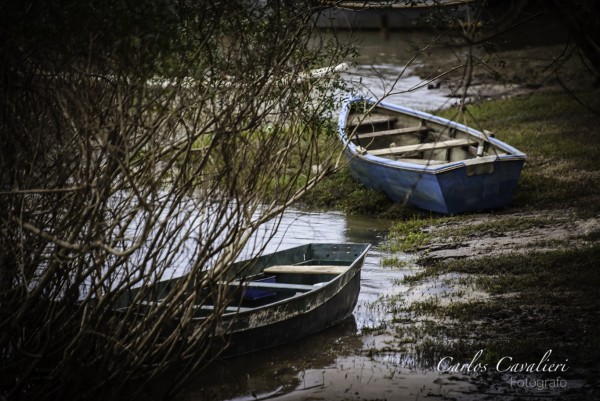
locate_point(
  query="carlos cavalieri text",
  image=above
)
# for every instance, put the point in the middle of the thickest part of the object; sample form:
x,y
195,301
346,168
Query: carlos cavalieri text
x,y
504,364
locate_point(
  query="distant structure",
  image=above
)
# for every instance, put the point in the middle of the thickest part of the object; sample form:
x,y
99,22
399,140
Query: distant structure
x,y
392,15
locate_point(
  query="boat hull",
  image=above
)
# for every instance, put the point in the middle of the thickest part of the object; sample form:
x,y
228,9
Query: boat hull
x,y
330,309
448,192
454,186
303,314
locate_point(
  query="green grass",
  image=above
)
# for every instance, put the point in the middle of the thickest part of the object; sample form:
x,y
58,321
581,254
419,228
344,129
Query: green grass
x,y
410,235
341,192
394,261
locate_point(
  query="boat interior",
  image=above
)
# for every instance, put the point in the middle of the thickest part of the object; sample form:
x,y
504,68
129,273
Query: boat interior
x,y
411,139
272,284
278,282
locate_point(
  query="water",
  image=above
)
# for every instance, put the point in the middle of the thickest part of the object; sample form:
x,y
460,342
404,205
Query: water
x,y
390,83
384,68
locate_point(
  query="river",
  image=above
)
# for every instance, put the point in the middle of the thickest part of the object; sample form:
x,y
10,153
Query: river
x,y
384,68
338,364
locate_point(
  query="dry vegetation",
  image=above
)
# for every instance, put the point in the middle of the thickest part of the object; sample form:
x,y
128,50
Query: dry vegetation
x,y
139,142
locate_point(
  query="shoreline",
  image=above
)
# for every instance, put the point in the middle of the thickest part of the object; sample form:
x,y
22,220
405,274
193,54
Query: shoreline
x,y
485,281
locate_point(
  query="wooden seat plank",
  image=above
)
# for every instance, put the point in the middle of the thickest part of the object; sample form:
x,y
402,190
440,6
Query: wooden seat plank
x,y
376,119
421,161
422,147
275,286
397,131
306,269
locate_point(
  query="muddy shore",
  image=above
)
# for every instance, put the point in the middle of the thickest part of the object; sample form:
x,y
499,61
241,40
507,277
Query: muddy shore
x,y
510,292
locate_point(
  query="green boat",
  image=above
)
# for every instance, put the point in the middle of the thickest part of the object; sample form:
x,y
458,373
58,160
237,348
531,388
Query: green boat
x,y
280,297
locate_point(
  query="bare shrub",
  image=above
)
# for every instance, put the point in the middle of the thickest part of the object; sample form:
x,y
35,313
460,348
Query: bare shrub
x,y
141,141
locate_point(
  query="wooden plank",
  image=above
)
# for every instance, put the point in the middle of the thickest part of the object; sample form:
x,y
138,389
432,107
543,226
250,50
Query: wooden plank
x,y
422,146
306,269
275,286
370,120
398,131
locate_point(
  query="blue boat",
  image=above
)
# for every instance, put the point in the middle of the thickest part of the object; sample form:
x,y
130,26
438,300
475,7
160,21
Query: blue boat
x,y
426,161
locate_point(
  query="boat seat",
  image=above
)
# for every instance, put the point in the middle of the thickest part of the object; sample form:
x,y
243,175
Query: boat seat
x,y
452,143
398,131
370,120
306,269
275,286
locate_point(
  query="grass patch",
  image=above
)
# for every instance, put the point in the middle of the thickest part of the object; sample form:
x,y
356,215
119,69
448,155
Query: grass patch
x,y
341,192
410,235
394,261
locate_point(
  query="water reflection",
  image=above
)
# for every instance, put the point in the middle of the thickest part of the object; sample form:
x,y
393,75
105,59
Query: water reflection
x,y
277,371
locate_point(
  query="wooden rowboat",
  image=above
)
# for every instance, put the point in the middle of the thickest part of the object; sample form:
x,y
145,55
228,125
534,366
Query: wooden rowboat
x,y
427,161
283,296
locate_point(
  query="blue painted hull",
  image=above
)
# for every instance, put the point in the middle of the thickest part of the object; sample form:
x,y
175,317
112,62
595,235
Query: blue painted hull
x,y
451,188
450,192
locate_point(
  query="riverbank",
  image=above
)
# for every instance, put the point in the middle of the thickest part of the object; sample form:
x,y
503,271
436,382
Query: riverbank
x,y
450,304
524,280
515,285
